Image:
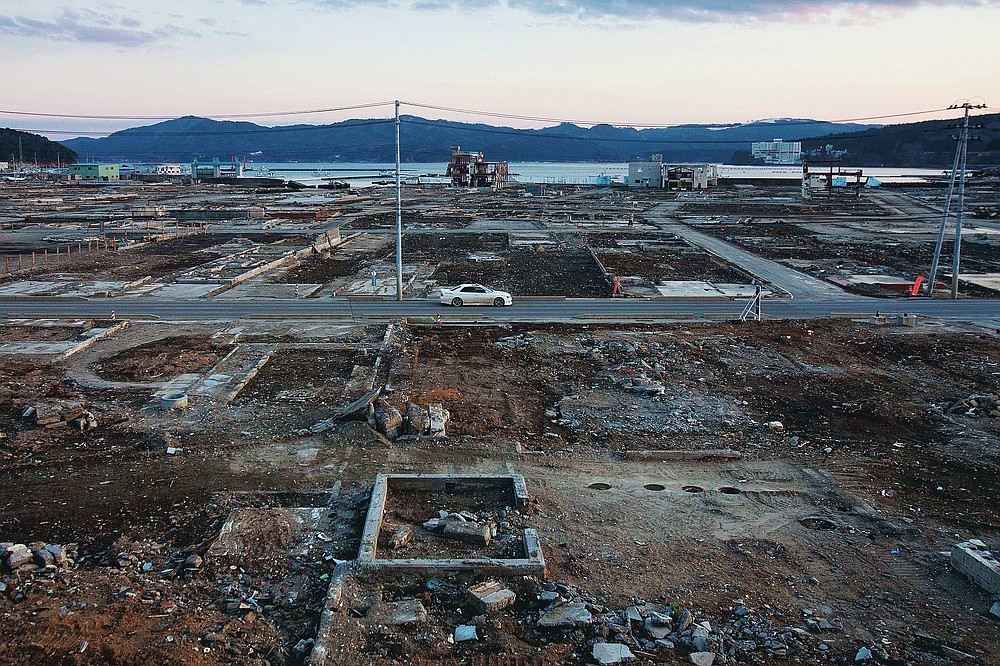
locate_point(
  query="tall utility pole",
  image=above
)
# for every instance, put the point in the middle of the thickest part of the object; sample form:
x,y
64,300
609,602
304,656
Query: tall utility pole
x,y
399,218
957,172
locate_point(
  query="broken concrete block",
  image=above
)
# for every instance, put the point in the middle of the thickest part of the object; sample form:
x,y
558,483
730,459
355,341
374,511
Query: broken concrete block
x,y
468,532
437,418
465,632
417,420
656,631
398,613
702,658
611,653
58,553
776,426
973,559
566,614
490,596
402,536
389,421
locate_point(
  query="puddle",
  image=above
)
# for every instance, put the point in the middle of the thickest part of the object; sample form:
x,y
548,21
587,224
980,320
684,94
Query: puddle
x,y
654,487
693,489
729,490
600,486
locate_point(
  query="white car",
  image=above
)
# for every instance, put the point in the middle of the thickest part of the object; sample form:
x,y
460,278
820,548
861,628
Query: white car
x,y
474,294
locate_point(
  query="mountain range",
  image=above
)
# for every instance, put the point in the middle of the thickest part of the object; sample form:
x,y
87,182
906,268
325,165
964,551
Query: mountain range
x,y
33,147
423,140
920,144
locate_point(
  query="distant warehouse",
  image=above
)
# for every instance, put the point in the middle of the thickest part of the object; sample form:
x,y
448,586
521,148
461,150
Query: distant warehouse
x,y
94,172
656,173
777,151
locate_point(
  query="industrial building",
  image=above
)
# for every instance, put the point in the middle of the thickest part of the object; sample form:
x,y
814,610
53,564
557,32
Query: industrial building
x,y
656,173
470,169
777,151
94,172
217,169
157,169
826,178
690,176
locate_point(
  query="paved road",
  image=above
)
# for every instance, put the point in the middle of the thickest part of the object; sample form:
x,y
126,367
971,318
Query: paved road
x,y
798,284
986,312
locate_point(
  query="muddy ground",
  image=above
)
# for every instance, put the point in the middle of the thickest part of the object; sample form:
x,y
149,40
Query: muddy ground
x,y
162,359
571,272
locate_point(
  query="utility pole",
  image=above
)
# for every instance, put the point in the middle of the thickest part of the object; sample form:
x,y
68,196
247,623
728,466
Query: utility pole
x,y
957,173
399,218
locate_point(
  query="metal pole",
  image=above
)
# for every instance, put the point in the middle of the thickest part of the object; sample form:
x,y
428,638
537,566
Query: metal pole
x,y
961,203
399,218
944,220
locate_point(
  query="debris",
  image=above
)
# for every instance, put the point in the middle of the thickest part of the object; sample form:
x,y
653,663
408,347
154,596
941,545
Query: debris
x,y
468,532
465,632
437,417
566,614
702,658
973,559
397,613
863,654
611,653
995,609
417,421
402,536
490,596
388,421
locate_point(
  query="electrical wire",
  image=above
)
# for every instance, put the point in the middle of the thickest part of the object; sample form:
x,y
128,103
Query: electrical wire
x,y
513,116
354,107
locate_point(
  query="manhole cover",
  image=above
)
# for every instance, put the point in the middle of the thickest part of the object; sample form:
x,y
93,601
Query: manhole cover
x,y
600,485
693,489
818,523
729,490
654,486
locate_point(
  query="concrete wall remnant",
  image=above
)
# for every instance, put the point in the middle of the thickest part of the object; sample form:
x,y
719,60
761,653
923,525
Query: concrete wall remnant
x,y
973,559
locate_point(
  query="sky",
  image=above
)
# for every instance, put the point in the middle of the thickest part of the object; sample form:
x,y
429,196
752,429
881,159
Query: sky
x,y
618,61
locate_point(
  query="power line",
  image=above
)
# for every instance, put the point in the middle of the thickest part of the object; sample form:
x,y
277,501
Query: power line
x,y
542,134
231,115
512,116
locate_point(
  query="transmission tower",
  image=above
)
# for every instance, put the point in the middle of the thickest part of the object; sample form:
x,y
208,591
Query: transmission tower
x,y
957,173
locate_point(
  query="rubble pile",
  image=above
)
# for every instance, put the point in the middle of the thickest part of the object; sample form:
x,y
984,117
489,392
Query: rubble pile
x,y
55,414
974,405
38,557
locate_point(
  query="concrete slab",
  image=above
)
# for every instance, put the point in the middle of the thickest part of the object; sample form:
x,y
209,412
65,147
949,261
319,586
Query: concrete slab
x,y
697,289
975,560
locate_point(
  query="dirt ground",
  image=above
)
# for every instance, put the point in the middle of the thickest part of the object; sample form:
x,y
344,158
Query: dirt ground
x,y
162,359
867,443
317,270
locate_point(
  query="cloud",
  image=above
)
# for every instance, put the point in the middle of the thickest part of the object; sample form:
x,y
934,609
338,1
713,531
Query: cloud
x,y
87,25
688,11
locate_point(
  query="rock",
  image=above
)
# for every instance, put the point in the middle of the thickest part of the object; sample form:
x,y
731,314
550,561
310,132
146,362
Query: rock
x,y
702,658
660,620
398,613
468,532
44,558
700,643
863,654
490,596
685,621
548,597
58,553
632,614
664,644
3,587
655,631
465,632
611,653
193,562
304,646
402,536
776,426
566,614
18,555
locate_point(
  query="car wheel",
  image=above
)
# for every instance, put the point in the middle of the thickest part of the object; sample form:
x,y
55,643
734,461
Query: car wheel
x,y
457,302
498,301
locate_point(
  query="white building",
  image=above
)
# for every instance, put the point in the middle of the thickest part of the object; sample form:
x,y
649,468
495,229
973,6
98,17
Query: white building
x,y
645,174
157,169
777,151
691,176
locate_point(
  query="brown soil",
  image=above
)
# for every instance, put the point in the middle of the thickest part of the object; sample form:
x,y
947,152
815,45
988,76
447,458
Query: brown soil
x,y
657,266
317,270
163,359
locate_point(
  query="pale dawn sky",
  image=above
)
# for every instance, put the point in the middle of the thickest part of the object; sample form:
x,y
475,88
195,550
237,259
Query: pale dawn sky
x,y
645,61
